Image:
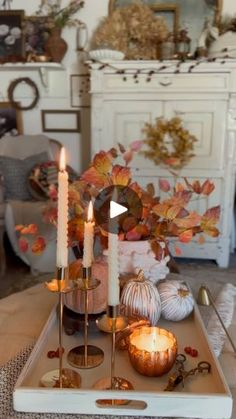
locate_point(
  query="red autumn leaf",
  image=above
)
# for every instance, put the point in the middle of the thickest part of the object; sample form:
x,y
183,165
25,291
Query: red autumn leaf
x,y
136,188
133,235
120,175
93,177
102,163
112,153
23,244
136,145
164,185
186,236
172,161
207,187
212,215
30,229
197,187
151,189
127,156
177,250
192,220
129,223
38,246
143,230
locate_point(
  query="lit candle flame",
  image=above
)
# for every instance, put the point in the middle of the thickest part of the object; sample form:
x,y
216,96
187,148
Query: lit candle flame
x,y
63,159
90,212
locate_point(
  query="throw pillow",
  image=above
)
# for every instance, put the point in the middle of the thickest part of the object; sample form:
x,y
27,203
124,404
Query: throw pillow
x,y
43,175
15,175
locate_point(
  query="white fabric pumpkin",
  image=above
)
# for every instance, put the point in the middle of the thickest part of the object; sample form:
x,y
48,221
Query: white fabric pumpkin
x,y
176,300
140,296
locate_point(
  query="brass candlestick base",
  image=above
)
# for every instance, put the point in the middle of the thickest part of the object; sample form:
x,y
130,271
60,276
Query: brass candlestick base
x,y
112,323
63,377
70,379
86,356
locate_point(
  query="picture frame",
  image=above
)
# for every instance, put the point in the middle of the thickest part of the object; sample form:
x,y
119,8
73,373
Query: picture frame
x,y
80,90
10,120
37,32
12,44
53,121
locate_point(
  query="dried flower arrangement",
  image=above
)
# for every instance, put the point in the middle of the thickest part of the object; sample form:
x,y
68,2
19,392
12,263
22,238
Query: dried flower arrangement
x,y
133,29
228,23
160,219
168,142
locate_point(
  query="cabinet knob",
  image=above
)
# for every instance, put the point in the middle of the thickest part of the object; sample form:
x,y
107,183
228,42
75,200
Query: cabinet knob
x,y
165,82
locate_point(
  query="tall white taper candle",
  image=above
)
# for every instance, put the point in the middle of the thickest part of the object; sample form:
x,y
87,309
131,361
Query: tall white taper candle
x,y
62,213
88,238
113,267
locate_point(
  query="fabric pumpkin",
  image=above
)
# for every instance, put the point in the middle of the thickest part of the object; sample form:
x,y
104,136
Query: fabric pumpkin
x,y
177,301
140,296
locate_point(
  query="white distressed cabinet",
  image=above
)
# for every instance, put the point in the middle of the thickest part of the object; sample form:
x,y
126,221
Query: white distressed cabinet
x,y
205,99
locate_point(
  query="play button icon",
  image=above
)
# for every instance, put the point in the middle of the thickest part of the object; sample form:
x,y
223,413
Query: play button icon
x,y
117,208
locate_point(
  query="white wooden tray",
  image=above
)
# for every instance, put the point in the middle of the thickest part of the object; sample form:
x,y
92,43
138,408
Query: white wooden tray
x,y
205,396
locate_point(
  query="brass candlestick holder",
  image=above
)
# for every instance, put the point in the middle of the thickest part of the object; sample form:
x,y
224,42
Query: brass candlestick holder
x,y
64,377
112,323
86,356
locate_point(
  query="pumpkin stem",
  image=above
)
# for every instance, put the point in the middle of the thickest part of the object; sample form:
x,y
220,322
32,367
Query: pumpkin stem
x,y
140,277
183,292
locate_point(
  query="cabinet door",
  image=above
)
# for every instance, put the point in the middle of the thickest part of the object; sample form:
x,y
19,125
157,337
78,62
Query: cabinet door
x,y
206,120
123,120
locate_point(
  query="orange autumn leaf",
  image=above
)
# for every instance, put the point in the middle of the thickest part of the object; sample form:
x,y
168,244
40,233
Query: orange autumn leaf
x,y
127,156
207,187
186,236
39,245
93,177
75,269
180,198
161,210
30,229
102,163
173,212
209,221
120,175
173,161
19,227
192,220
164,185
23,244
179,187
201,239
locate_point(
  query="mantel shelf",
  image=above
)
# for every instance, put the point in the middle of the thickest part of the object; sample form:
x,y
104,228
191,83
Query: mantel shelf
x,y
42,68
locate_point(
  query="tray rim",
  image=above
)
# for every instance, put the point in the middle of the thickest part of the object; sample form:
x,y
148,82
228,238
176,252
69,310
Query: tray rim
x,y
131,395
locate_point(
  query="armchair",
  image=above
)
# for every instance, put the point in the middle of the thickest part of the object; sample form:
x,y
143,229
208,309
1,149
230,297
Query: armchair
x,y
18,155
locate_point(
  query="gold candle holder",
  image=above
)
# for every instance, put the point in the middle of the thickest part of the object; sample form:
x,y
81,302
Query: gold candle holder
x,y
64,377
86,356
152,350
111,323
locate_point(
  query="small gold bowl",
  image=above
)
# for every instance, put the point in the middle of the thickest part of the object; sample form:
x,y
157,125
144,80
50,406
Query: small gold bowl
x,y
42,58
152,350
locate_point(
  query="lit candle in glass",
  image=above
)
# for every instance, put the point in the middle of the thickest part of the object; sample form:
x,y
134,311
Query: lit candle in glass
x,y
62,213
152,350
88,238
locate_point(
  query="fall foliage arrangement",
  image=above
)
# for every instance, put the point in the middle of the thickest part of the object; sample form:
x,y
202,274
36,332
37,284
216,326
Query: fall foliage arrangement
x,y
160,219
133,29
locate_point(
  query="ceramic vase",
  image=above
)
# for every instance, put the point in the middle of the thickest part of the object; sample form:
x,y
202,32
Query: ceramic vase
x,y
136,255
56,46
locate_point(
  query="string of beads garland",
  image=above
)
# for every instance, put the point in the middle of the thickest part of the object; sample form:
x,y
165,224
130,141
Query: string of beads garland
x,y
168,142
11,91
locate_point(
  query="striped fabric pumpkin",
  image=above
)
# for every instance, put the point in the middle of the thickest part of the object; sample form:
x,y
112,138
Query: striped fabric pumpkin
x,y
140,296
176,299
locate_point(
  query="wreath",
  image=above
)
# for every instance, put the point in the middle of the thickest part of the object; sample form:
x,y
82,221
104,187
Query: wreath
x,y
11,90
168,142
